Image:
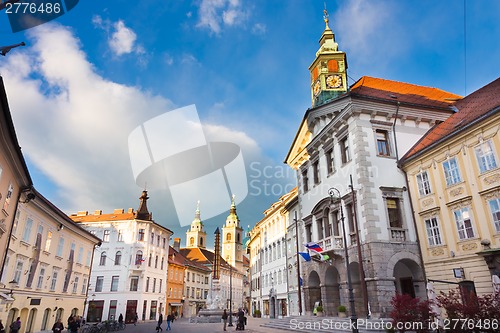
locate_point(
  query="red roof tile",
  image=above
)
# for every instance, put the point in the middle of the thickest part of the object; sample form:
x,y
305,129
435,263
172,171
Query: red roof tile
x,y
405,92
470,109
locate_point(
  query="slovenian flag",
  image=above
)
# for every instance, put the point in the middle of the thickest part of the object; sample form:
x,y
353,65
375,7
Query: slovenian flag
x,y
314,247
305,255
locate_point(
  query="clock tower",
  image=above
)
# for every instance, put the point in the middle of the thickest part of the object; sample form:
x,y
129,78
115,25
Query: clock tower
x,y
232,239
195,236
329,69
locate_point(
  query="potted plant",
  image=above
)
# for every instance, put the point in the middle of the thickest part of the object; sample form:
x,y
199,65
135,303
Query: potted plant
x,y
256,314
341,309
319,311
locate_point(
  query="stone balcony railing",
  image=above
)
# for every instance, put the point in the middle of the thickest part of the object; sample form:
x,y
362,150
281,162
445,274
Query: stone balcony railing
x,y
331,243
398,234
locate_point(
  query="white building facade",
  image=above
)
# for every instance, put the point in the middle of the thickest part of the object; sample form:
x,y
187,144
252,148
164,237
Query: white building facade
x,y
129,270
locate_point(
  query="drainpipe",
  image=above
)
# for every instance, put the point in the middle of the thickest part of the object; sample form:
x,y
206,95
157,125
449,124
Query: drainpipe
x,y
394,126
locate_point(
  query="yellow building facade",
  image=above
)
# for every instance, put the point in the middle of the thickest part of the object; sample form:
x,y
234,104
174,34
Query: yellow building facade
x,y
454,179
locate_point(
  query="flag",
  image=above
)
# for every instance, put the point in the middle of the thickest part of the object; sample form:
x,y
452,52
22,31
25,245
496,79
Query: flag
x,y
305,255
314,247
325,257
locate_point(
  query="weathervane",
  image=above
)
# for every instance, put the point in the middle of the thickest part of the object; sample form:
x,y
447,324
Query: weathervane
x,y
325,16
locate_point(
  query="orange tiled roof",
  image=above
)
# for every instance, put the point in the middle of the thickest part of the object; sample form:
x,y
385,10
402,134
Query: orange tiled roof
x,y
102,217
470,109
372,87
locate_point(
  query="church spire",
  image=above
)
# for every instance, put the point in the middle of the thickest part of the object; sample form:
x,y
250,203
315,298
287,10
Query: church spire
x,y
328,70
143,213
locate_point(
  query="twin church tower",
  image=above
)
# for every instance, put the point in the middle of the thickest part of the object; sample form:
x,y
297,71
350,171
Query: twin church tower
x,y
232,237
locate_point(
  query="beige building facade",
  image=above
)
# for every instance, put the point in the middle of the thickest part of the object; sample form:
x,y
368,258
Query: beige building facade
x,y
454,180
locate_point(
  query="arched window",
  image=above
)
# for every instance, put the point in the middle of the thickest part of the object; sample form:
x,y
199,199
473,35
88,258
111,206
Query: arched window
x,y
138,258
238,237
228,236
191,241
102,260
118,258
201,240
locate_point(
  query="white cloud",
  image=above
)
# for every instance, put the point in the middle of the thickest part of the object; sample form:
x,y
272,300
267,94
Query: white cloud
x,y
213,14
169,60
259,29
56,94
122,40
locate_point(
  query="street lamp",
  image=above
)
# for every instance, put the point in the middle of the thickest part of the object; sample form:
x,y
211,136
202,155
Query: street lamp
x,y
299,297
354,319
230,294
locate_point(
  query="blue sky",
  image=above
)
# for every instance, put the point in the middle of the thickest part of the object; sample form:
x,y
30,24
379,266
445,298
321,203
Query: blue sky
x,y
87,79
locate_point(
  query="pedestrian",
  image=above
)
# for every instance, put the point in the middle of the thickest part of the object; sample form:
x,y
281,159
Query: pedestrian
x,y
16,325
160,321
170,318
120,318
2,329
241,320
135,319
58,326
224,318
73,325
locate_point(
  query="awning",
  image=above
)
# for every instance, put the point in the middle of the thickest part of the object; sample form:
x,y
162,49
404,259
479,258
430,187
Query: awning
x,y
175,304
7,297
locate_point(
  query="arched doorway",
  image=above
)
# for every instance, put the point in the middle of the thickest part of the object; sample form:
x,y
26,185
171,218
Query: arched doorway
x,y
12,316
45,319
31,319
312,291
331,291
408,278
59,314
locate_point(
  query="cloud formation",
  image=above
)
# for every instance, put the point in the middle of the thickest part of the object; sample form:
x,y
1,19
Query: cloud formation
x,y
84,119
214,14
121,39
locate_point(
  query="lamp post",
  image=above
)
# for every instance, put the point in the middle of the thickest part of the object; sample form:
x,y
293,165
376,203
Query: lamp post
x,y
354,320
298,262
230,295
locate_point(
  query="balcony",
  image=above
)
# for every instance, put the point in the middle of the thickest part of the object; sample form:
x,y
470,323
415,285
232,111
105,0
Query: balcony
x,y
331,243
398,234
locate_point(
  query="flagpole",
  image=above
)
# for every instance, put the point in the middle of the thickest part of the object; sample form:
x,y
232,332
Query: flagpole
x,y
354,319
298,262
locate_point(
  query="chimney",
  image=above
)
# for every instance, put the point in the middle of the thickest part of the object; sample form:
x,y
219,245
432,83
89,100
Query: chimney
x,y
130,210
98,212
118,211
177,244
82,213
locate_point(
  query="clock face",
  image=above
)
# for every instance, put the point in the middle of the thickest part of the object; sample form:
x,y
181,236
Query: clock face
x,y
334,81
317,88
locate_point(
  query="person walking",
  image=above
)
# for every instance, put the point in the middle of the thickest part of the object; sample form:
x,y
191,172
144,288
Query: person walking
x,y
58,326
135,319
160,321
224,318
170,318
16,325
2,329
73,325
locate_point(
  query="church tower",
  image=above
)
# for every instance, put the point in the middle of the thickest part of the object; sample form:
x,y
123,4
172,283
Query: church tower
x,y
329,69
232,239
196,237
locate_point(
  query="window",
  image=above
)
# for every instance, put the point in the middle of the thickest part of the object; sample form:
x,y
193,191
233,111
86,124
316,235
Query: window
x,y
424,186
382,142
158,240
147,284
75,284
89,255
27,230
191,241
120,235
495,212
114,283
48,241
84,286
315,167
160,286
464,223
152,238
102,260
150,259
330,161
41,276
105,237
485,156
154,284
206,279
451,172
433,233
305,181
187,291
344,149
8,196
141,235
187,277
60,247
164,242
16,221
394,212
134,283
118,258
228,236
53,282
18,272
156,261
162,262
79,258
138,258
98,283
